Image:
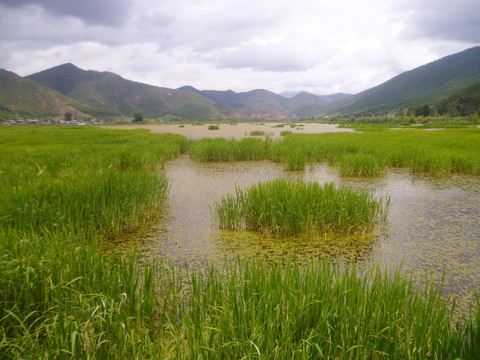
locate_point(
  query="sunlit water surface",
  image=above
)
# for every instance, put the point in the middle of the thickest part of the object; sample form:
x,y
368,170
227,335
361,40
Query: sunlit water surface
x,y
432,225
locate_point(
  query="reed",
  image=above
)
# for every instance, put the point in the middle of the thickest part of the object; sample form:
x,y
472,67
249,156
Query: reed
x,y
64,190
257,133
219,149
317,311
288,208
365,154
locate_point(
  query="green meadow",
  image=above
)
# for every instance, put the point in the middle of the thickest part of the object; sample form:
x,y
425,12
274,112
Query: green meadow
x,y
64,192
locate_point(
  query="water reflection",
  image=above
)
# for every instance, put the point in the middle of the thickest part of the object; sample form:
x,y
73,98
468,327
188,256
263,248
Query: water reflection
x,y
431,226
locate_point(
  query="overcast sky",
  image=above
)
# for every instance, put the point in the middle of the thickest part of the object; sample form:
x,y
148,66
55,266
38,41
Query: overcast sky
x,y
318,46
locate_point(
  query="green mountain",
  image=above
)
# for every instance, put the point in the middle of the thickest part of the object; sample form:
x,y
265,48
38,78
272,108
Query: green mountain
x,y
463,103
264,104
425,84
26,98
109,94
105,93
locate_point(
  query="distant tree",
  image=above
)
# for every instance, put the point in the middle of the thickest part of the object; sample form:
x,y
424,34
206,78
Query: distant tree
x,y
68,116
138,116
422,110
475,118
442,107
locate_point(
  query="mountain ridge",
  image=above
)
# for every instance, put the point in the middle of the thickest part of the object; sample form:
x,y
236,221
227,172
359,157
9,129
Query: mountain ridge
x,y
425,84
119,96
50,92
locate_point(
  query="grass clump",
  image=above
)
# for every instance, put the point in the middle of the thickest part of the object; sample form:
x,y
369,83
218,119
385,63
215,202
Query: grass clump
x,y
213,127
220,149
288,208
257,133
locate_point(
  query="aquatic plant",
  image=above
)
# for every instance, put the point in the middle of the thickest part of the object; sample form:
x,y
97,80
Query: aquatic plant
x,y
63,191
213,127
257,133
288,208
220,149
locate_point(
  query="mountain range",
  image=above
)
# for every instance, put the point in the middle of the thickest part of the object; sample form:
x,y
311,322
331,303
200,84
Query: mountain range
x,y
66,87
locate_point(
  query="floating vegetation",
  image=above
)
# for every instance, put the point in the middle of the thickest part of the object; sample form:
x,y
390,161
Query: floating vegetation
x,y
213,127
288,208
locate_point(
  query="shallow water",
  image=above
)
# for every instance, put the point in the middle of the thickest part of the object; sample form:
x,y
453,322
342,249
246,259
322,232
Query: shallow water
x,y
432,226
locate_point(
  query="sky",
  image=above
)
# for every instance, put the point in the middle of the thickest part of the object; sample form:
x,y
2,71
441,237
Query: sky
x,y
319,46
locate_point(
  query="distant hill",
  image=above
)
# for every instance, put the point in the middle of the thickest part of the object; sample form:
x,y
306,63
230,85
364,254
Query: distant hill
x,y
425,84
110,94
25,98
264,104
66,87
326,98
105,93
463,103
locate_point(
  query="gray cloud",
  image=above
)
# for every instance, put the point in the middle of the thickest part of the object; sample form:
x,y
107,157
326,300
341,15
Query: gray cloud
x,y
271,57
443,20
106,12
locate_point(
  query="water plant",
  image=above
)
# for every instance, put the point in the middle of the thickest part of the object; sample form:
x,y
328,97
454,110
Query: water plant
x,y
213,127
289,208
257,133
220,149
369,153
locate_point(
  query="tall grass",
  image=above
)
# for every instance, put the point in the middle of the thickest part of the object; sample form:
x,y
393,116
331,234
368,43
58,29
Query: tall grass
x,y
316,311
438,153
364,154
62,192
220,149
288,208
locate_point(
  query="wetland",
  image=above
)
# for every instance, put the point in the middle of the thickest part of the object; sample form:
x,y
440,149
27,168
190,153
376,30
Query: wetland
x,y
109,249
431,226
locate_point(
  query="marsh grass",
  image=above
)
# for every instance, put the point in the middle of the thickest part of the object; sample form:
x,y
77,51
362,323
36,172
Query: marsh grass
x,y
257,133
220,149
64,190
293,310
288,208
367,154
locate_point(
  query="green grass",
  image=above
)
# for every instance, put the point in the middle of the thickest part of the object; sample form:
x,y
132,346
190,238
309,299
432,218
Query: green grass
x,y
289,310
63,191
289,208
213,127
257,133
366,154
220,149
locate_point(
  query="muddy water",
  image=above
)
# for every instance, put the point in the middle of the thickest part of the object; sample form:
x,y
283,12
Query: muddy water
x,y
432,225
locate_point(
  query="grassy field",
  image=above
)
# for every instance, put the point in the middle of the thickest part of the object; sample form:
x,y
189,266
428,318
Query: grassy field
x,y
63,191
